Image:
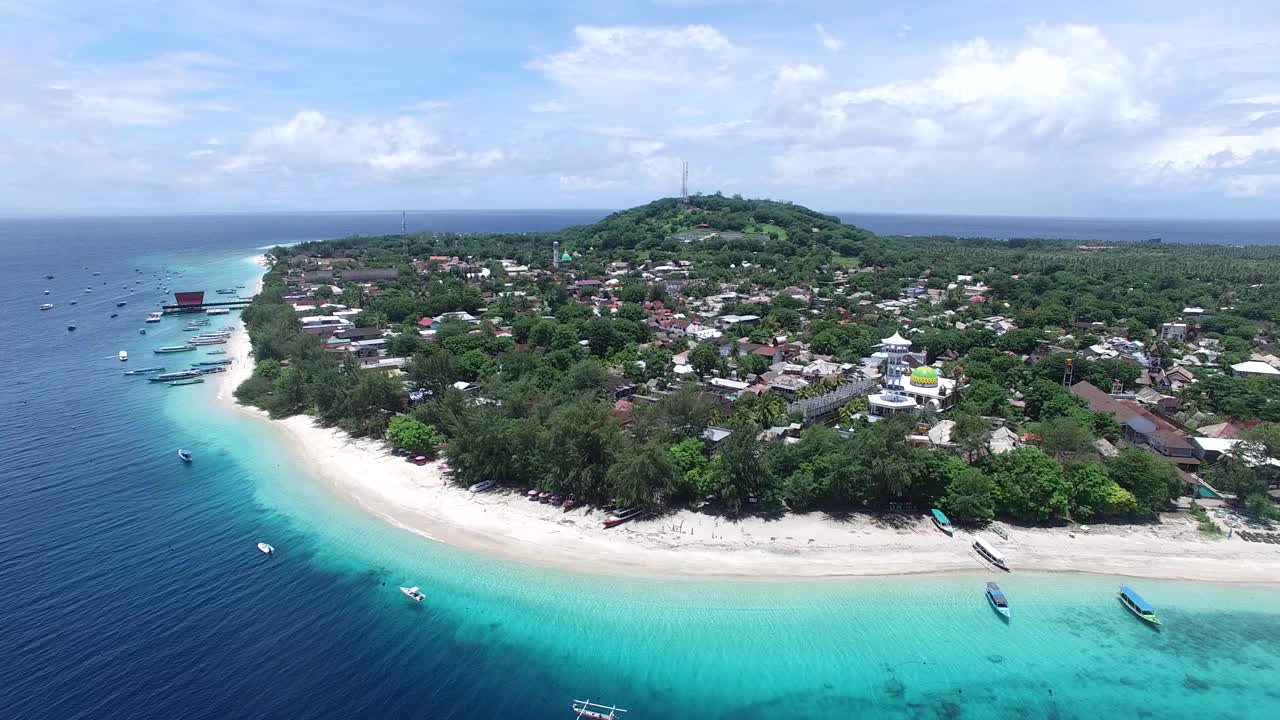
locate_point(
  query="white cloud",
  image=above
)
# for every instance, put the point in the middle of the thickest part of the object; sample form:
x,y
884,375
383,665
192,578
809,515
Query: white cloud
x,y
311,141
432,106
832,43
548,106
620,58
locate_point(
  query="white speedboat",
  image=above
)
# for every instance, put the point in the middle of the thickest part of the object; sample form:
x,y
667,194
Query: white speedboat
x,y
266,548
123,356
413,593
47,306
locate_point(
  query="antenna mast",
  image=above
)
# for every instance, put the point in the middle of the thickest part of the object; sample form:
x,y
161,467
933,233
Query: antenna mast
x,y
684,183
403,227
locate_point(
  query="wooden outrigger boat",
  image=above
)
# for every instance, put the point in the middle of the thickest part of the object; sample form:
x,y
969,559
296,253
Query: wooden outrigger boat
x,y
989,553
623,516
596,711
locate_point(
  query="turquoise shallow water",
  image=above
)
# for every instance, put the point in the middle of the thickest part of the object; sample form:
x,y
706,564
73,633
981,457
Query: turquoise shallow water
x,y
133,589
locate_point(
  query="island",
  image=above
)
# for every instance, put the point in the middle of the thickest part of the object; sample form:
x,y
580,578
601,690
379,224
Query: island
x,y
720,386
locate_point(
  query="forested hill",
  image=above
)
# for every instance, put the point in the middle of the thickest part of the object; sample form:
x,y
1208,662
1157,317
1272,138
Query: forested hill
x,y
713,216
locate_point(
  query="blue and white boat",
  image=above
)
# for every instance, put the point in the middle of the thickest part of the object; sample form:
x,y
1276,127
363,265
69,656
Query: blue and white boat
x,y
1132,600
996,597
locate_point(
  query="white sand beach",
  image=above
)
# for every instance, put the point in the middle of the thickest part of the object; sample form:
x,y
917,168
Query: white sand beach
x,y
690,544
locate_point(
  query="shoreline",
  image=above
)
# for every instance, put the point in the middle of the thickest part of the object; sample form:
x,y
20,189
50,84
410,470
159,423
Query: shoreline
x,y
690,545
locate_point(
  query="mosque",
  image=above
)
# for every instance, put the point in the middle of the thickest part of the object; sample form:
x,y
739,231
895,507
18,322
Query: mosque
x,y
923,386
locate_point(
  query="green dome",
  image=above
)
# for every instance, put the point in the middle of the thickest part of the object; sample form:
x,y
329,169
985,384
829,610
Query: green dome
x,y
924,377
564,257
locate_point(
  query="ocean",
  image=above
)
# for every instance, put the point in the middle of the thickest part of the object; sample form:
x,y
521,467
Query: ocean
x,y
132,587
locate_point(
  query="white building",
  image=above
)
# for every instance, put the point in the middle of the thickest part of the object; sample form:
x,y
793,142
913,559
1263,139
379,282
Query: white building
x,y
922,387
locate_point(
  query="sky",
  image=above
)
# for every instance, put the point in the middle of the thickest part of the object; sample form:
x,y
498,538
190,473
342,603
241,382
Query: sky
x,y
1117,109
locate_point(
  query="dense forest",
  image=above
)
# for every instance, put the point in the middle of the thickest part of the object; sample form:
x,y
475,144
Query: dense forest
x,y
541,415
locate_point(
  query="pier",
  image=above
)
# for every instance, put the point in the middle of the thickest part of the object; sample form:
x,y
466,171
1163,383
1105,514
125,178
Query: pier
x,y
193,302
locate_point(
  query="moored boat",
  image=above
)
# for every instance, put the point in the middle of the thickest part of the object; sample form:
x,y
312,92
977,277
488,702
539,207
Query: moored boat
x,y
216,352
122,303
217,311
179,375
123,355
943,523
413,593
211,363
994,556
175,348
144,371
1132,600
47,306
154,317
595,711
187,381
185,455
997,599
71,328
266,548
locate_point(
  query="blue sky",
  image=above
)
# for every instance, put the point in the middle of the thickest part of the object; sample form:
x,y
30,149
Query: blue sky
x,y
1154,109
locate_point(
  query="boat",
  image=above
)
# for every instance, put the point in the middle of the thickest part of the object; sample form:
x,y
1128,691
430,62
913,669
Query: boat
x,y
123,356
115,315
74,302
209,341
70,328
47,306
97,274
227,291
1137,605
144,371
185,455
217,311
622,516
211,363
986,550
997,599
154,316
175,348
216,352
210,370
595,711
48,277
266,548
179,375
142,331
187,381
998,531
482,486
46,292
414,593
122,303
943,523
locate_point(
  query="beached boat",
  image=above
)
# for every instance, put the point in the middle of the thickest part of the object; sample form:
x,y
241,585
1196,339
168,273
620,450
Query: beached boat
x,y
622,516
595,711
994,556
123,356
209,341
185,455
187,381
997,599
482,486
1137,605
413,593
943,523
266,548
144,371
154,317
175,348
47,306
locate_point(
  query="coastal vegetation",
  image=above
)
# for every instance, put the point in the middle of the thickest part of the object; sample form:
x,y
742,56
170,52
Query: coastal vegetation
x,y
519,382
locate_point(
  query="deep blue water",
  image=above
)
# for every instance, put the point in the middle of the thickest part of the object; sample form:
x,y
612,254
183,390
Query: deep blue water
x,y
1211,232
130,587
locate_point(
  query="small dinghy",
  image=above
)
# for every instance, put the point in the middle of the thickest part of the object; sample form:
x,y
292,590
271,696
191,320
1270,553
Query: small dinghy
x,y
265,548
413,593
185,455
